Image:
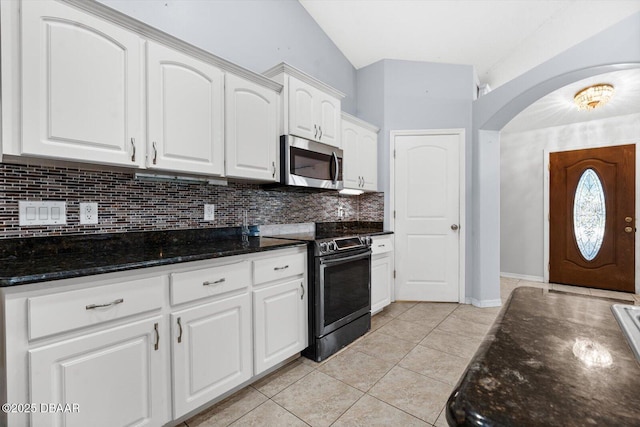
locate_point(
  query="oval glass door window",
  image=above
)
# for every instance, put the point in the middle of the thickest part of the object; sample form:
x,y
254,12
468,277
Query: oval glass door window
x,y
589,214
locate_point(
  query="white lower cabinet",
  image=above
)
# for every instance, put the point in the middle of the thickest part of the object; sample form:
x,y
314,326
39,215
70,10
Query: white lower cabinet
x,y
211,351
280,322
114,377
381,272
146,348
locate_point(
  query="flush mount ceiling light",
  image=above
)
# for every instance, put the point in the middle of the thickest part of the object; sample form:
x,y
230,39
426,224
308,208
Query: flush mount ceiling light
x,y
593,96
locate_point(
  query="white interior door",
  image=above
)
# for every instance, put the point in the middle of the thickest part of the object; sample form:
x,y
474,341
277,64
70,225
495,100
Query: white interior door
x,y
427,211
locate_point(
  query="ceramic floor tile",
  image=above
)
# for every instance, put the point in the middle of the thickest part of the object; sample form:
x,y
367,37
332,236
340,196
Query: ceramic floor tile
x,y
463,327
475,314
269,414
428,314
384,346
435,364
371,412
570,289
455,344
397,308
283,378
624,296
509,281
380,320
408,331
229,410
357,369
318,399
442,420
417,395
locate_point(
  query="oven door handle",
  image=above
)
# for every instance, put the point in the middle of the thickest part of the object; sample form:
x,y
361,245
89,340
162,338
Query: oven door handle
x,y
341,260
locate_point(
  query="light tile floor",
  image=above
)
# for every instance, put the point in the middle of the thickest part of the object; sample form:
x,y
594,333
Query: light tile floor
x,y
400,373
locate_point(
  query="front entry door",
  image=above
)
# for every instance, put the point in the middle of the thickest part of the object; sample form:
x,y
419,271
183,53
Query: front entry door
x,y
592,218
427,210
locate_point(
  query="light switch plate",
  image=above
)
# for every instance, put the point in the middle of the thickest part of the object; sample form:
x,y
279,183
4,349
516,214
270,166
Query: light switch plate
x,y
209,212
89,213
42,213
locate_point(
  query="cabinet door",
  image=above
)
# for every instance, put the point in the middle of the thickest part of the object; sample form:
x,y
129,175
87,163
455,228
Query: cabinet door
x,y
81,87
280,323
185,113
302,110
350,161
211,351
116,377
251,135
381,277
368,159
328,119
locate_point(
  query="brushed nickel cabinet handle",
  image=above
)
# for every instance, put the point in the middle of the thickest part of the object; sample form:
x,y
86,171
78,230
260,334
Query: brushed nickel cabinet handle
x,y
133,149
302,288
155,328
155,152
281,268
273,175
109,304
216,282
180,336
315,129
320,127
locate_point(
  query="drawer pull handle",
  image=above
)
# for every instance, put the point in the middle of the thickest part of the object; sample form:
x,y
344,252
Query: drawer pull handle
x,y
109,304
381,246
180,326
216,282
302,288
280,268
155,328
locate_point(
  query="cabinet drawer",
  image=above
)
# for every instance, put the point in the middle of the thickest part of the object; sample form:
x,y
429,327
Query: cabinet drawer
x,y
267,270
381,245
196,284
64,311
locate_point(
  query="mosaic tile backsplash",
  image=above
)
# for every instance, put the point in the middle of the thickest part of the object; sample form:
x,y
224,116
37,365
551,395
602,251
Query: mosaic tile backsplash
x,y
129,204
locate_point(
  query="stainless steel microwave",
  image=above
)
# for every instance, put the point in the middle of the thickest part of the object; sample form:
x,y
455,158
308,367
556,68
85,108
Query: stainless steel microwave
x,y
305,163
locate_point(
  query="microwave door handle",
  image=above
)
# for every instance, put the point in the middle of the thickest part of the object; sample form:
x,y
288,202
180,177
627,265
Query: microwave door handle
x,y
337,168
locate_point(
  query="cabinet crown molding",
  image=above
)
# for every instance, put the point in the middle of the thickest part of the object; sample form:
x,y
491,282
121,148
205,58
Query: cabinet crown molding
x,y
355,120
283,67
148,32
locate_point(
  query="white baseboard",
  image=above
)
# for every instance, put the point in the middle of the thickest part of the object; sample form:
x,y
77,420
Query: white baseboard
x,y
483,303
523,277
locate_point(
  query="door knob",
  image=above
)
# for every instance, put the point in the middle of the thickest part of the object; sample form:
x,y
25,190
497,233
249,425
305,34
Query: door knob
x,y
628,229
454,227
628,219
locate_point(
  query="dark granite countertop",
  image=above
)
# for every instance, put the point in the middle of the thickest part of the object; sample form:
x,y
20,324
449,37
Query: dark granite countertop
x,y
350,228
40,259
551,359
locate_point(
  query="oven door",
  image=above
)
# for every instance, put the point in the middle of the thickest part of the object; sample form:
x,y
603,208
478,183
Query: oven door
x,y
343,289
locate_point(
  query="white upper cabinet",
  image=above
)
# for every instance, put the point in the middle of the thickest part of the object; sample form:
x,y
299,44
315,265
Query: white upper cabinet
x,y
252,142
185,113
311,109
360,146
81,87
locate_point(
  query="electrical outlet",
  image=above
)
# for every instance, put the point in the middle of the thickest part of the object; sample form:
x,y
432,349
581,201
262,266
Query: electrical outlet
x,y
88,213
209,212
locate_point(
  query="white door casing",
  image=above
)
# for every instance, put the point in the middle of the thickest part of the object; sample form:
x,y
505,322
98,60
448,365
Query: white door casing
x,y
427,198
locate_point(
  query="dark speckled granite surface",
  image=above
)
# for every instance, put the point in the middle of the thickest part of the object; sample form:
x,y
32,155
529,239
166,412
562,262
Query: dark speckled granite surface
x,y
39,259
550,360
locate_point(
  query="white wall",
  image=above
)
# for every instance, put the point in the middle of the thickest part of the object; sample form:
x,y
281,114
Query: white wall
x,y
522,183
255,34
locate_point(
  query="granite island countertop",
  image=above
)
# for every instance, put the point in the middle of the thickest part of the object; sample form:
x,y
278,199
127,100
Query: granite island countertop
x,y
40,259
550,359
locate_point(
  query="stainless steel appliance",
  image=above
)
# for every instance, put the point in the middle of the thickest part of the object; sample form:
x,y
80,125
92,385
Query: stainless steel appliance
x,y
339,294
307,163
